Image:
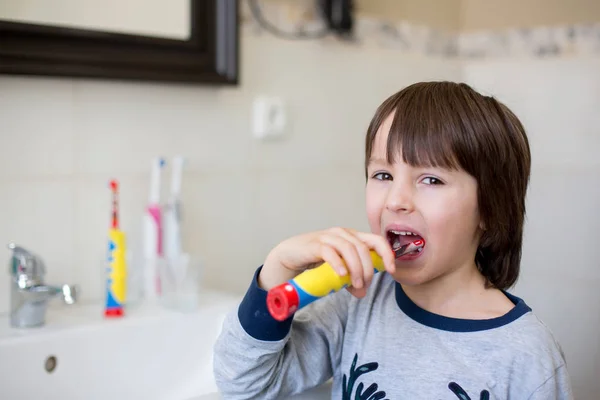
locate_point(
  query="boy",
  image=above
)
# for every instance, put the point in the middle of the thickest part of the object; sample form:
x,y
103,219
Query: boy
x,y
447,165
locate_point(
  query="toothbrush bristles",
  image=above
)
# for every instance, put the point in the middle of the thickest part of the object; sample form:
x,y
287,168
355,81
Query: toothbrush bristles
x,y
114,186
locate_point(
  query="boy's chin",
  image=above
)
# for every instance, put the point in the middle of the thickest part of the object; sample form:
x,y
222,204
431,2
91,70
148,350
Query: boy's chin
x,y
410,277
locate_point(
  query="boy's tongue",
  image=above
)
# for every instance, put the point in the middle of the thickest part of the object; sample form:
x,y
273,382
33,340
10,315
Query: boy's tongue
x,y
406,239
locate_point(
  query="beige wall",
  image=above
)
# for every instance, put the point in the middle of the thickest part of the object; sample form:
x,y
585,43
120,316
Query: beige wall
x,y
469,15
487,14
443,14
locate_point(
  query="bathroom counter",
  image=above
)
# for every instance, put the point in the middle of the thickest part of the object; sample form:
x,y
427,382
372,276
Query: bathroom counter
x,y
152,353
82,316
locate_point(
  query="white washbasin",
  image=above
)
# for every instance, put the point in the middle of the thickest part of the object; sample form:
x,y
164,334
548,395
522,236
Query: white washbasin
x,y
152,353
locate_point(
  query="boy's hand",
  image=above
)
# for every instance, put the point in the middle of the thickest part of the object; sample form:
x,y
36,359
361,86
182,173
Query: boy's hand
x,y
347,250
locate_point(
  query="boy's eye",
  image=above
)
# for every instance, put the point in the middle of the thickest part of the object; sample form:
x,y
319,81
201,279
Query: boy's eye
x,y
430,180
382,176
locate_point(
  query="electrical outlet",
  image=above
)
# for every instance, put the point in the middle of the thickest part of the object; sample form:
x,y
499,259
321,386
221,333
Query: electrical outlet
x,y
269,117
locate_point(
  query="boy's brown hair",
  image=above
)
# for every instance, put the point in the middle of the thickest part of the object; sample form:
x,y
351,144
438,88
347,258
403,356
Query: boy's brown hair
x,y
450,125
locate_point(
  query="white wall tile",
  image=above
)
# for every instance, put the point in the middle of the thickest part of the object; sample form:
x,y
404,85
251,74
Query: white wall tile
x,y
557,101
291,202
563,227
219,227
120,127
331,92
36,117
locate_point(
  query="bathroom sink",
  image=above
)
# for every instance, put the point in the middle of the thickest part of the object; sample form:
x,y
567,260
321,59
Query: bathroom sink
x,y
152,353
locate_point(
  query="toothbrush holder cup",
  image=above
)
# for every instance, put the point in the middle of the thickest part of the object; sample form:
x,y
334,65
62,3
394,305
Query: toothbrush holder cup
x,y
180,279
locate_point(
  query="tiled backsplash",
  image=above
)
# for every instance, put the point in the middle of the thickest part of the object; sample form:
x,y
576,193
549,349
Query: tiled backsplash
x,y
64,139
409,37
527,42
536,42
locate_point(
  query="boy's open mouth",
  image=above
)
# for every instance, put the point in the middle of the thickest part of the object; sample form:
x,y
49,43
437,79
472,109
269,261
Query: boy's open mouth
x,y
398,239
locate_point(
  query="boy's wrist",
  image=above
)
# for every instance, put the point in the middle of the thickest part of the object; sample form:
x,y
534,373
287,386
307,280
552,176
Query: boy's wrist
x,y
273,274
255,317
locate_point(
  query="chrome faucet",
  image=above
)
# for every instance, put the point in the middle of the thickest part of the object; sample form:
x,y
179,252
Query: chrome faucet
x,y
29,295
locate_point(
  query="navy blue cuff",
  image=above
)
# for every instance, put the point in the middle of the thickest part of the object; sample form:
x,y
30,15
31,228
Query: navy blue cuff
x,y
255,318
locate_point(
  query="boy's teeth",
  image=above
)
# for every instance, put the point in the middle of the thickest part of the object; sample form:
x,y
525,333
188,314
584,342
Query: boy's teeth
x,y
402,233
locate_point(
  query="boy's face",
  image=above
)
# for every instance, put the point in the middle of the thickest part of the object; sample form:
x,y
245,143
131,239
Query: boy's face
x,y
438,204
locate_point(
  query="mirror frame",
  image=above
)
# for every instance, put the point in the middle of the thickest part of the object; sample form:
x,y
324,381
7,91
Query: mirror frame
x,y
209,56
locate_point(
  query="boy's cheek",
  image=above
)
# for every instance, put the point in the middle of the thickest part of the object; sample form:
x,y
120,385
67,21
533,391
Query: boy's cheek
x,y
374,224
458,222
374,219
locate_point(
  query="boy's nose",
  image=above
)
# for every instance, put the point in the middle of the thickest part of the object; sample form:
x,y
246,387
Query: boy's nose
x,y
399,199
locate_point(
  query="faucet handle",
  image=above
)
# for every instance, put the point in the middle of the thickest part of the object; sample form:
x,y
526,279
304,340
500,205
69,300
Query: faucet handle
x,y
70,293
25,264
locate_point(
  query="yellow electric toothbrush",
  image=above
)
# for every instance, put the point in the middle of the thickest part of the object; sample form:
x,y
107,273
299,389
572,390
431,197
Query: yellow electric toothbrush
x,y
116,290
285,299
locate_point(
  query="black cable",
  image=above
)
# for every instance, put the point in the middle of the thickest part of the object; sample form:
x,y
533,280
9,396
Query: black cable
x,y
262,21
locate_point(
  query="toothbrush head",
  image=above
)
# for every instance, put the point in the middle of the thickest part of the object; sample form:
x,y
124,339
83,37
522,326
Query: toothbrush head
x,y
114,187
411,247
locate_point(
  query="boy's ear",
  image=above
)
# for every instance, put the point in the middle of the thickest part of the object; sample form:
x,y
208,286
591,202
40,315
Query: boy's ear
x,y
482,225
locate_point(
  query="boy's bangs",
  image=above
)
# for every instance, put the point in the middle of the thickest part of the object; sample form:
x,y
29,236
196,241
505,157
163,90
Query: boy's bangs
x,y
424,133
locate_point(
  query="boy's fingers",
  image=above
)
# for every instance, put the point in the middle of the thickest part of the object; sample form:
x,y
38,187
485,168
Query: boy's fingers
x,y
360,293
329,255
350,256
363,251
382,247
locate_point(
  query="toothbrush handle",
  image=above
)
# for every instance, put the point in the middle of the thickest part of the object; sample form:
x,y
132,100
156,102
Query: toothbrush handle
x,y
285,299
176,177
157,165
